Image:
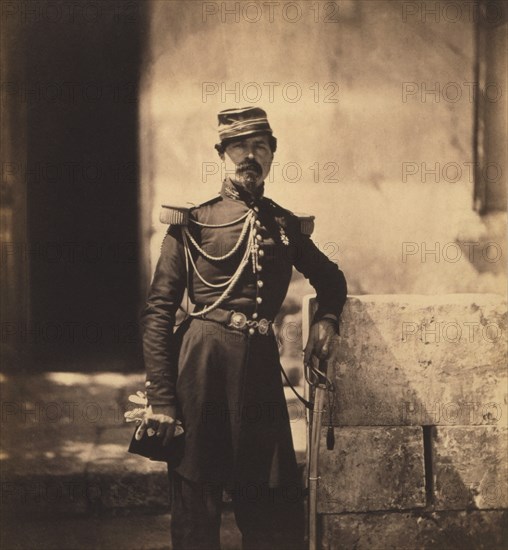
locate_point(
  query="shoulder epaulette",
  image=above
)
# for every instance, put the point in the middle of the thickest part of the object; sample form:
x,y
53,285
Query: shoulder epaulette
x,y
179,215
306,223
210,201
306,220
174,215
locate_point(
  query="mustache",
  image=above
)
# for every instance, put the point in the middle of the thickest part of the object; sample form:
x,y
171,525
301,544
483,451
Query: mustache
x,y
249,165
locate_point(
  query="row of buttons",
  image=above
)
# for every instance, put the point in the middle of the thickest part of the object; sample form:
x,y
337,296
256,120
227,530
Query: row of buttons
x,y
259,253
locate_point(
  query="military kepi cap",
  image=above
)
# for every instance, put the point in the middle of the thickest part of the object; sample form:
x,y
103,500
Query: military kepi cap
x,y
235,123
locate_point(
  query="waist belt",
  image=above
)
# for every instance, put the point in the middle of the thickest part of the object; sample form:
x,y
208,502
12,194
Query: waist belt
x,y
238,321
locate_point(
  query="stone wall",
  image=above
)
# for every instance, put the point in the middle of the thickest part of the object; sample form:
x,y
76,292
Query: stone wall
x,y
420,425
392,124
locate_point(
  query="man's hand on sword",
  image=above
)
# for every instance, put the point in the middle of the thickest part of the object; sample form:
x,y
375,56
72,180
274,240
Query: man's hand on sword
x,y
322,341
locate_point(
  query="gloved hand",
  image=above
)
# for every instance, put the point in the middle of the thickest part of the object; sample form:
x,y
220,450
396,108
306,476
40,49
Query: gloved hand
x,y
322,341
160,421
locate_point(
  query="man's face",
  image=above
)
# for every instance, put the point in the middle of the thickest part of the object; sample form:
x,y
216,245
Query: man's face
x,y
248,161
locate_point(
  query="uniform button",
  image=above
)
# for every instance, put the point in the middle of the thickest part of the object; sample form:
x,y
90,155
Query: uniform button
x,y
259,300
256,209
147,383
254,315
259,268
260,283
258,223
251,331
259,237
261,253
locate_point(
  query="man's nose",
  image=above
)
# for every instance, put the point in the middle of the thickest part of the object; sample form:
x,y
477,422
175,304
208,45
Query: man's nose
x,y
250,155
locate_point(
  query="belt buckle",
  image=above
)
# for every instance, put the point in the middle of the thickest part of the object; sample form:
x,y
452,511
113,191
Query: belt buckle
x,y
238,320
263,326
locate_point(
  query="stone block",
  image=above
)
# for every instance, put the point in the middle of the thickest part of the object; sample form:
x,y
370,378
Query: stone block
x,y
35,496
46,450
124,480
378,468
478,530
421,360
470,467
43,469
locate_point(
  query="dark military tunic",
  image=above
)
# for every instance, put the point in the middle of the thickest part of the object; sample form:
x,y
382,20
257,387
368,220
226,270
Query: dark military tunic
x,y
226,383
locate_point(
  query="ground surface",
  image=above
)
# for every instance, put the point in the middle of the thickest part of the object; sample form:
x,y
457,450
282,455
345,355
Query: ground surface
x,y
67,482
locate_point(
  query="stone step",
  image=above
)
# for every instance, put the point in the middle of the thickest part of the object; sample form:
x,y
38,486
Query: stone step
x,y
131,532
64,447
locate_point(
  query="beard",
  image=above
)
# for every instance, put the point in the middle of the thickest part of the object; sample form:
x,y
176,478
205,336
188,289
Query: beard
x,y
247,175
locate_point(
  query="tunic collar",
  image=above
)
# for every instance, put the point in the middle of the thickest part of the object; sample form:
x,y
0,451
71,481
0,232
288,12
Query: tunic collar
x,y
235,192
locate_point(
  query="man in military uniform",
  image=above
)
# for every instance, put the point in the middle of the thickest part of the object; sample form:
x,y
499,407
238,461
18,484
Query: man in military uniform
x,y
220,371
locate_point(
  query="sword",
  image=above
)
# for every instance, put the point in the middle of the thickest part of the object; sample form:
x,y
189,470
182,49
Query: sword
x,y
321,383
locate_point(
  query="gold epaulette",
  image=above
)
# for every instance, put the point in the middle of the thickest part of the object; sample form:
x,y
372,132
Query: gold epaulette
x,y
306,220
179,215
175,215
306,223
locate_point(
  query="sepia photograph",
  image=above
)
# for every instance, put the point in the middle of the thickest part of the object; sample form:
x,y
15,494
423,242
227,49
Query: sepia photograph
x,y
253,275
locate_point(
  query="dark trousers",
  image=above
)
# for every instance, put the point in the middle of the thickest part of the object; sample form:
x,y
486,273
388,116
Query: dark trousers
x,y
268,519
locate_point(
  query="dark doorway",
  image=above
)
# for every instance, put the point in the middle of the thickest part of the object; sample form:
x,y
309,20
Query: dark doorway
x,y
80,98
